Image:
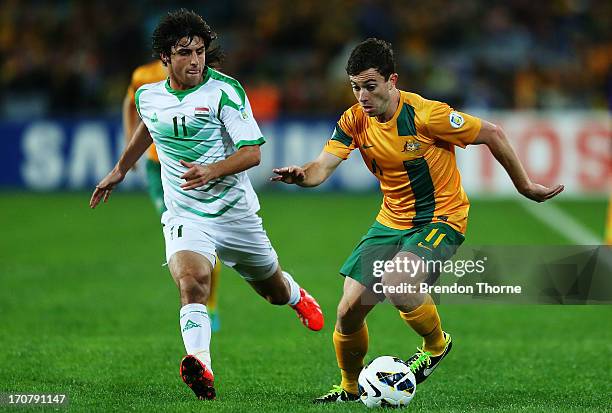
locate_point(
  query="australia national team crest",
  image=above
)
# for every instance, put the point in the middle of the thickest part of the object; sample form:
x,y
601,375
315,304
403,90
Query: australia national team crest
x,y
456,120
411,146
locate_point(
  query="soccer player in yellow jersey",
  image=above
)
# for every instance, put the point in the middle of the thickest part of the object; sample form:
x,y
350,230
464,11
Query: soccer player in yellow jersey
x,y
408,143
151,73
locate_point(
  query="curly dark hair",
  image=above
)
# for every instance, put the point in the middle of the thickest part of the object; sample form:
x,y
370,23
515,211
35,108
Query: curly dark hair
x,y
372,53
184,23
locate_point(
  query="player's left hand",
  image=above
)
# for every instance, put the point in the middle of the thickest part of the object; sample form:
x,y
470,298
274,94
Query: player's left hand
x,y
541,193
197,175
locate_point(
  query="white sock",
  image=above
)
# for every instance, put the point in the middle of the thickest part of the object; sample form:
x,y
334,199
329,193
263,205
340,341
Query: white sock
x,y
294,296
195,328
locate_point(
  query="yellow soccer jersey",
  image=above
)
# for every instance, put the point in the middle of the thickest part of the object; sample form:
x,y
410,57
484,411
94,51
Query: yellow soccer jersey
x,y
149,73
413,157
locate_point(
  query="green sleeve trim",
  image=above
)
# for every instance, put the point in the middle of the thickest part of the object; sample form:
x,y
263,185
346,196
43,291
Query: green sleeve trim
x,y
259,141
137,99
341,136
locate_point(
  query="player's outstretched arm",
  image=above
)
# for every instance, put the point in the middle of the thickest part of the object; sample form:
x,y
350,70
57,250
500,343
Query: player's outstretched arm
x,y
311,174
495,139
139,143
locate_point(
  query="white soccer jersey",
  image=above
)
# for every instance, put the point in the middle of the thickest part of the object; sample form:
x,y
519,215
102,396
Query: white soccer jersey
x,y
204,124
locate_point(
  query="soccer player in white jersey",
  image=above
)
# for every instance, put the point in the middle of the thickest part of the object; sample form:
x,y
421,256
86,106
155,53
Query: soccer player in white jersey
x,y
203,127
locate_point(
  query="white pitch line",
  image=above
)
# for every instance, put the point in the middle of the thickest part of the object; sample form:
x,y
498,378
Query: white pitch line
x,y
562,222
573,230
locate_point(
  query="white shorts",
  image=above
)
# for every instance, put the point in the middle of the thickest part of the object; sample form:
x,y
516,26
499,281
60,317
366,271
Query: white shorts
x,y
242,244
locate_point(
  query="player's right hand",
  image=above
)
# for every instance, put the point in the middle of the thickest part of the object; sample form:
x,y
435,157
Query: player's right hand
x,y
289,174
105,187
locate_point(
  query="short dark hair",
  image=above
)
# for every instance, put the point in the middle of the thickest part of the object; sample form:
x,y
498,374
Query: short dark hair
x,y
184,23
372,53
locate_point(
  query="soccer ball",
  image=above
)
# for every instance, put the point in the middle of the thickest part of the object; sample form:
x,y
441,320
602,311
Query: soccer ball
x,y
386,382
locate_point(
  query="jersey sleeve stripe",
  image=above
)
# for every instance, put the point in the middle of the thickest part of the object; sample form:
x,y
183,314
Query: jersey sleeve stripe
x,y
230,81
137,100
226,101
257,142
341,136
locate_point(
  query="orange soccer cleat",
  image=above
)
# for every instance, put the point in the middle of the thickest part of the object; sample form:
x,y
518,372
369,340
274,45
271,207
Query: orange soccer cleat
x,y
309,311
198,377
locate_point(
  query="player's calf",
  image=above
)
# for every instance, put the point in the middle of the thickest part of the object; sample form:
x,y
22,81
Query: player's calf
x,y
282,285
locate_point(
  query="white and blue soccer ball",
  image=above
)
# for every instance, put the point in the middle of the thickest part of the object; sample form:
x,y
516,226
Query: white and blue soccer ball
x,y
386,382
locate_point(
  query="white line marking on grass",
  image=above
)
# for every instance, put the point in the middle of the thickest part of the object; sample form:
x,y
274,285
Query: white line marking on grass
x,y
568,226
562,222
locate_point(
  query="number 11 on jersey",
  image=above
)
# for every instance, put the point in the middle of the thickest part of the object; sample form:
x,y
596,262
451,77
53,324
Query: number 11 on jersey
x,y
176,129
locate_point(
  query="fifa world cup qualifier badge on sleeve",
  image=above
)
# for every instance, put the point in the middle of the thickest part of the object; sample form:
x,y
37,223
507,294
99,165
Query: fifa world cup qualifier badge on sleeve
x,y
456,120
243,113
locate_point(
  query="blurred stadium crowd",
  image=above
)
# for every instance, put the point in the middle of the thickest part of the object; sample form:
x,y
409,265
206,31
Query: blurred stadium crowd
x,y
66,57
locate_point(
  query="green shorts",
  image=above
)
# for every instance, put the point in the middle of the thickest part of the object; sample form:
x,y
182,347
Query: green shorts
x,y
154,185
435,241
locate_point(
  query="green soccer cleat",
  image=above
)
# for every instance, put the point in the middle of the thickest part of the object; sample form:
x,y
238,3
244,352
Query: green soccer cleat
x,y
422,363
336,395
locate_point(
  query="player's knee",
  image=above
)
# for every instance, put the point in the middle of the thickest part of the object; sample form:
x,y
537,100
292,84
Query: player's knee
x,y
193,293
193,286
388,285
342,311
393,297
396,286
347,314
402,292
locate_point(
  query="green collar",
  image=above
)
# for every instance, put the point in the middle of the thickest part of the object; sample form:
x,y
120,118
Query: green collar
x,y
180,94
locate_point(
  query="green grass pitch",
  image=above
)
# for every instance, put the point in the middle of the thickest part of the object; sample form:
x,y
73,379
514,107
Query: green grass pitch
x,y
87,309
